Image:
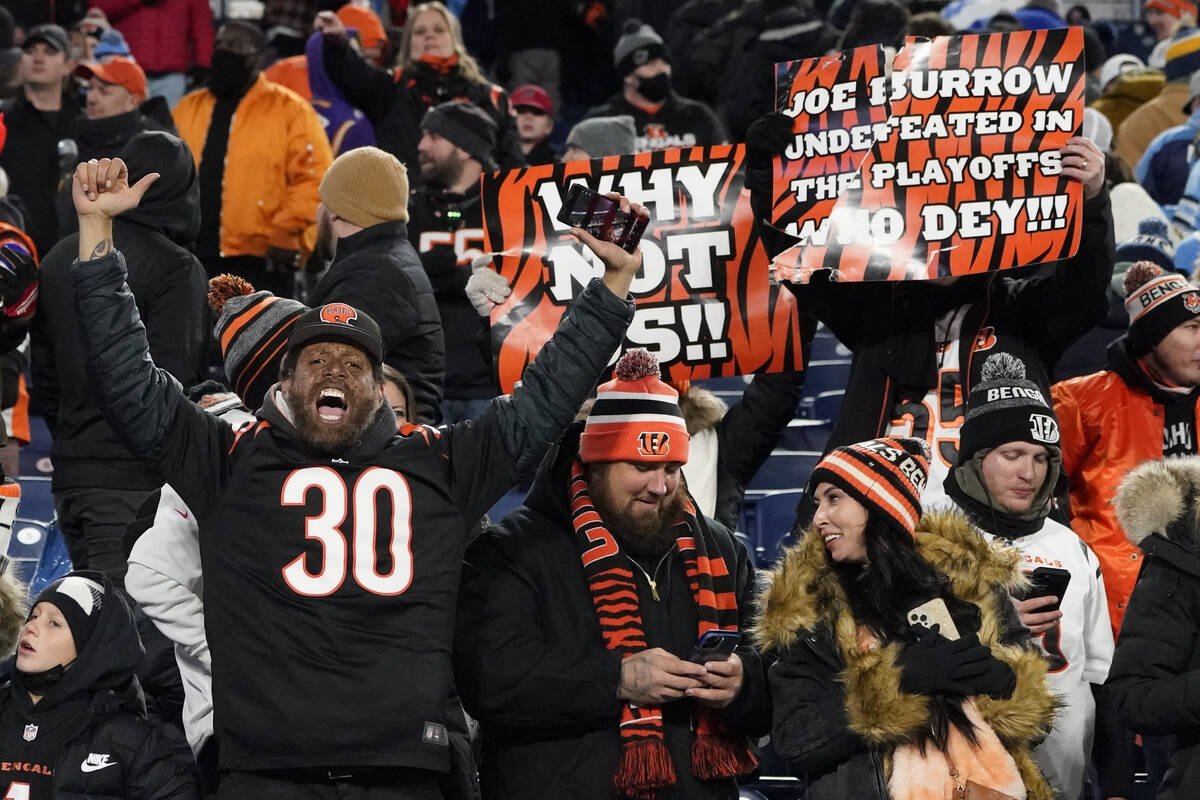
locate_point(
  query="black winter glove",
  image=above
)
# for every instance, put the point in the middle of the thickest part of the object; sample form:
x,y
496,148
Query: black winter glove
x,y
767,137
18,271
936,665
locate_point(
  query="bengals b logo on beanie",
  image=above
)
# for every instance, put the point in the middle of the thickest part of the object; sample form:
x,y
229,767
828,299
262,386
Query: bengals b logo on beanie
x,y
636,416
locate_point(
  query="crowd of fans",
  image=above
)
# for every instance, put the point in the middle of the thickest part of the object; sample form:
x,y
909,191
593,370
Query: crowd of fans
x,y
243,281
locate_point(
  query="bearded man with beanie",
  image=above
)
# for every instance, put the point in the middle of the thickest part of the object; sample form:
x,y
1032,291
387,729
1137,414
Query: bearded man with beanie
x,y
662,118
1009,465
361,222
1145,405
580,610
446,227
72,721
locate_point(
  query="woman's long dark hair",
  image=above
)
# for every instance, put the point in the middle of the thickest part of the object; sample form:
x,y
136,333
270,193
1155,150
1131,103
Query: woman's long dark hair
x,y
880,594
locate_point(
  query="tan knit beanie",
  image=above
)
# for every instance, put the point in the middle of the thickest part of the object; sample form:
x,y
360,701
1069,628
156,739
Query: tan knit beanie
x,y
366,186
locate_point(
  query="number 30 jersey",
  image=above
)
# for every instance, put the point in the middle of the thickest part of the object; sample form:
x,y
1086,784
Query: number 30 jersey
x,y
330,583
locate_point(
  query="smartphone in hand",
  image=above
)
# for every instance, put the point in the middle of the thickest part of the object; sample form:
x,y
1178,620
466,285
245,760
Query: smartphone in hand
x,y
715,646
933,613
1046,582
602,217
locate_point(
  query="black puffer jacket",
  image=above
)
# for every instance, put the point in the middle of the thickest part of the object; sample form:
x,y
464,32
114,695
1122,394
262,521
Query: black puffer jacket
x,y
378,271
1155,674
145,762
395,102
169,286
531,664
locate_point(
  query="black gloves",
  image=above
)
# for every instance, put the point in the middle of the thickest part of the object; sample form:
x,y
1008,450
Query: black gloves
x,y
18,271
936,665
767,137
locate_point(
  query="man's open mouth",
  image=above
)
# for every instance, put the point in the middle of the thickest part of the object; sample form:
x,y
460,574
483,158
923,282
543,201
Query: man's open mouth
x,y
331,405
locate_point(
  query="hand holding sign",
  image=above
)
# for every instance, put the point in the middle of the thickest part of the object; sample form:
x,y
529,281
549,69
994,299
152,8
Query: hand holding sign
x,y
1083,161
620,267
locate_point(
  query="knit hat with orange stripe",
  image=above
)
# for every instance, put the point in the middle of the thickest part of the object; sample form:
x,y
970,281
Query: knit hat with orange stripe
x,y
253,329
1157,302
636,416
885,475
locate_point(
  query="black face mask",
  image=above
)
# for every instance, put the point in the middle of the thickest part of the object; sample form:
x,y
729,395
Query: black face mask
x,y
655,89
41,682
230,74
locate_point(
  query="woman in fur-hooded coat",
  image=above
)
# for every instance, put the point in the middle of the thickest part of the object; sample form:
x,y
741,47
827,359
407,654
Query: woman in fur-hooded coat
x,y
840,713
1155,672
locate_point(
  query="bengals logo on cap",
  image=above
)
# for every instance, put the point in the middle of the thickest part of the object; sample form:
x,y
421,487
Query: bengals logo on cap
x,y
654,443
338,313
1191,301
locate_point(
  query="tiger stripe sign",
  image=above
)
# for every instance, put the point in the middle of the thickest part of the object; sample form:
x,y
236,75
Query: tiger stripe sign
x,y
949,165
705,304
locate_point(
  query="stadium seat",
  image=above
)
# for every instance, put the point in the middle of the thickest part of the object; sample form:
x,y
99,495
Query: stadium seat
x,y
805,434
785,470
826,405
826,376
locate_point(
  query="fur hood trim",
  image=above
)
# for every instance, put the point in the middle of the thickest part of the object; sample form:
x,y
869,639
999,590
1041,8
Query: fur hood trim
x,y
803,591
701,409
14,608
1161,497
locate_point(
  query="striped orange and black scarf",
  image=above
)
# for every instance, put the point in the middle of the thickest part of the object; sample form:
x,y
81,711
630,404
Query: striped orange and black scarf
x,y
717,752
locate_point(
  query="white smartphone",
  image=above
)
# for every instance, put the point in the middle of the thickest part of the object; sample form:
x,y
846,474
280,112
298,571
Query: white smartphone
x,y
934,613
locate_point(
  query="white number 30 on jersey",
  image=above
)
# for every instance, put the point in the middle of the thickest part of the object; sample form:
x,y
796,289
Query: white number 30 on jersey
x,y
326,529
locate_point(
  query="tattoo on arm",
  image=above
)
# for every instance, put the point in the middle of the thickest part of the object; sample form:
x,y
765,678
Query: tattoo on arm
x,y
101,249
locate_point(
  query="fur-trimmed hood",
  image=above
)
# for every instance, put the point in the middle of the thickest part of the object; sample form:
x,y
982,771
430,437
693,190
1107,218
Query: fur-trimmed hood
x,y
1162,497
804,591
701,409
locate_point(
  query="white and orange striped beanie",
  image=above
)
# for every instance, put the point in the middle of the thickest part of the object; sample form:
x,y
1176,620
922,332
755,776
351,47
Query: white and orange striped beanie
x,y
885,475
636,416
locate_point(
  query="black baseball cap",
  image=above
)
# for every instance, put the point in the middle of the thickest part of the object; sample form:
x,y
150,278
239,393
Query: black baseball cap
x,y
52,35
338,321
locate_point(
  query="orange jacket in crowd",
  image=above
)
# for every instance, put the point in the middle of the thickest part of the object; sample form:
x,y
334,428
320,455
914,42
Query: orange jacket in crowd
x,y
1108,428
277,155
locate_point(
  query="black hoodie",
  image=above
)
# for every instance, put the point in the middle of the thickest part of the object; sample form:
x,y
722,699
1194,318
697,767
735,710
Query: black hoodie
x,y
170,288
93,719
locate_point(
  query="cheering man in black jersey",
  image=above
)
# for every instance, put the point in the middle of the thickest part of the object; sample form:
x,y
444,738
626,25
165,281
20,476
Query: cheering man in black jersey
x,y
331,545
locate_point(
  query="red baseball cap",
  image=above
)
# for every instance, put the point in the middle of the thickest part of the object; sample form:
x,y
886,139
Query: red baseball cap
x,y
119,70
532,96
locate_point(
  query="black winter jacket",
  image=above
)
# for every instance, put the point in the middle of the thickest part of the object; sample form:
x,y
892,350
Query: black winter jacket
x,y
446,228
377,270
146,761
104,138
30,157
889,326
169,286
395,102
680,122
1155,674
532,667
360,657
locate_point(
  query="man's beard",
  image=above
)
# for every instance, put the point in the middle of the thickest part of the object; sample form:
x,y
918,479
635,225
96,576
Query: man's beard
x,y
330,438
647,535
326,245
442,174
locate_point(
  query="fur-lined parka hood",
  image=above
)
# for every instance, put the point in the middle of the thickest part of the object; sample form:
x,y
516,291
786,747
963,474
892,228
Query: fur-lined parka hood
x,y
1162,497
701,409
804,591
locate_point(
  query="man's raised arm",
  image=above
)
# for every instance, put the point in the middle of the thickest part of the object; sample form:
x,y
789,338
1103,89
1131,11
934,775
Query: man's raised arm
x,y
142,403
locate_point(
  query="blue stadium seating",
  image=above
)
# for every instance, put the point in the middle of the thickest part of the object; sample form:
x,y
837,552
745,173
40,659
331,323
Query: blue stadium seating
x,y
826,405
785,470
805,434
826,376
